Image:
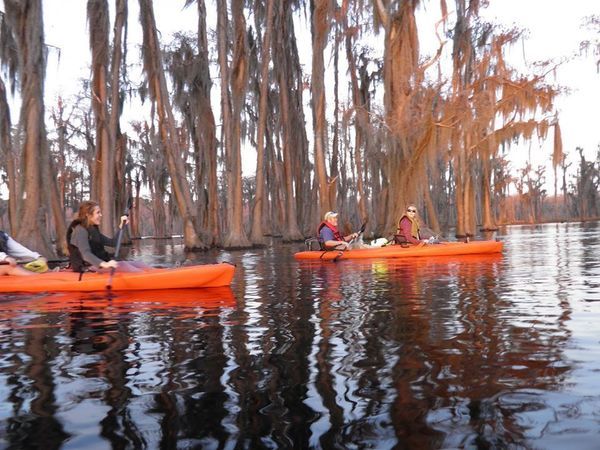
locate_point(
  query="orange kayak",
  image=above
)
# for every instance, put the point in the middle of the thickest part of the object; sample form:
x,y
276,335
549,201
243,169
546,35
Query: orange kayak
x,y
397,251
199,276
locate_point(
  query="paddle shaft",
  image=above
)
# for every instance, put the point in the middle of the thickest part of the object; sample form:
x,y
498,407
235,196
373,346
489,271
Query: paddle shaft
x,y
117,249
361,231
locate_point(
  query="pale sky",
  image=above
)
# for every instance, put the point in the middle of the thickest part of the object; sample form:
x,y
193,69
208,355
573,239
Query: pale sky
x,y
554,32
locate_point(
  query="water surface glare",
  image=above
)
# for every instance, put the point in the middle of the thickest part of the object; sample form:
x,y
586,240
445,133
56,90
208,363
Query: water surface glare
x,y
498,351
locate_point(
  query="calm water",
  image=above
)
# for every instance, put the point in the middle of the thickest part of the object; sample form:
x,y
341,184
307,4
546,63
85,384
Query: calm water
x,y
471,352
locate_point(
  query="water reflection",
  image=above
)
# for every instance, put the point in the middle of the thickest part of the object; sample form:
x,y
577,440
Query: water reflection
x,y
465,352
102,365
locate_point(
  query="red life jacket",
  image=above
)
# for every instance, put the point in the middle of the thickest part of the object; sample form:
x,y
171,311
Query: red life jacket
x,y
336,233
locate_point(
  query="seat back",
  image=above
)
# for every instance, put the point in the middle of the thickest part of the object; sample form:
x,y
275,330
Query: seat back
x,y
314,243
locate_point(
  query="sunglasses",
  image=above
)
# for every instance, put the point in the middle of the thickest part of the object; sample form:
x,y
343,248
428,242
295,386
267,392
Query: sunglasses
x,y
411,210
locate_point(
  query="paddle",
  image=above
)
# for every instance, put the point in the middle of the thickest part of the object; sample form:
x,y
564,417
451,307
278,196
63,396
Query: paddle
x,y
361,231
434,237
118,246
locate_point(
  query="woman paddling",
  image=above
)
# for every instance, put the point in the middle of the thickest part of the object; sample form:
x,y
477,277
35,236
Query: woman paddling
x,y
87,245
410,230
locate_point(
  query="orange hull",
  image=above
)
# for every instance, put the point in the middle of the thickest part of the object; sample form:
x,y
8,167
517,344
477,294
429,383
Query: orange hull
x,y
200,276
397,251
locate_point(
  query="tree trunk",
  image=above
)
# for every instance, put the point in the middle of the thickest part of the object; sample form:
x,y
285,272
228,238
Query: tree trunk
x,y
432,218
207,130
11,169
259,205
306,205
99,24
400,69
121,191
232,108
469,204
49,175
153,67
291,231
158,210
27,20
335,143
135,188
320,30
488,222
461,229
361,121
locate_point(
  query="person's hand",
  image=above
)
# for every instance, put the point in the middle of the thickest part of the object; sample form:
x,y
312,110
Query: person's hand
x,y
341,245
124,220
112,264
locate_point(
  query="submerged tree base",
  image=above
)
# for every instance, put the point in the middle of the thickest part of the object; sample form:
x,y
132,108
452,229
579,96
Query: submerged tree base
x,y
293,239
197,248
236,241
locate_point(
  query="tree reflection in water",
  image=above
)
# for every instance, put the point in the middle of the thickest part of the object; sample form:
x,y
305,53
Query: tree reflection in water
x,y
472,352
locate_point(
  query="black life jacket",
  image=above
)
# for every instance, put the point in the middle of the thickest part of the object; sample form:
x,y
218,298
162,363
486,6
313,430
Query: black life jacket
x,y
336,234
3,242
75,258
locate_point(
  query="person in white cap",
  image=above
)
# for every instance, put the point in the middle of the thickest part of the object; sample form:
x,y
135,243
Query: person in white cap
x,y
329,234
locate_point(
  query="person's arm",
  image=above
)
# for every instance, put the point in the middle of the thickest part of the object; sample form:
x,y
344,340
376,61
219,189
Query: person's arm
x,y
108,242
406,231
329,240
19,251
112,242
79,239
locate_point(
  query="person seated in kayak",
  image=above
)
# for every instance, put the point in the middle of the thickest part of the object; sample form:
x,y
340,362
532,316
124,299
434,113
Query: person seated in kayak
x,y
329,235
409,228
87,244
11,251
